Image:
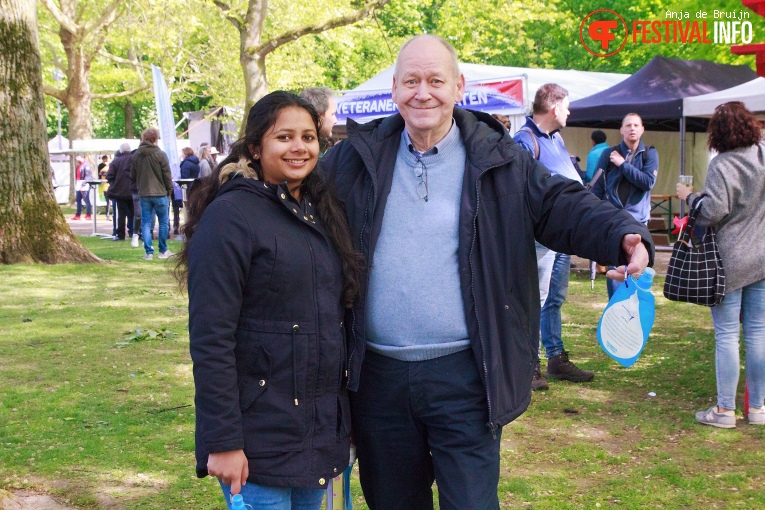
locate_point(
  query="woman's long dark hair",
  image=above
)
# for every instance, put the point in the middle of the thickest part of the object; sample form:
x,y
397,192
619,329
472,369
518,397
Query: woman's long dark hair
x,y
260,120
732,126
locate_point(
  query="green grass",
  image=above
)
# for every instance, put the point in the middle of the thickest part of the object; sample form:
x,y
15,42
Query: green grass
x,y
96,402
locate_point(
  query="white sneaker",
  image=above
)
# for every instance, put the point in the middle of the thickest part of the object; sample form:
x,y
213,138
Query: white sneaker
x,y
756,415
165,254
134,242
724,420
149,256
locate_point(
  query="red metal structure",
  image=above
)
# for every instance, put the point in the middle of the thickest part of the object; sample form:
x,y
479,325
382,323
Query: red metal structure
x,y
757,49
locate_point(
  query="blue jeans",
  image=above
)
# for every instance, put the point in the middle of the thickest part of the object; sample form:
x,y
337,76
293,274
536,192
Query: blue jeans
x,y
260,497
158,206
750,302
553,270
419,421
80,197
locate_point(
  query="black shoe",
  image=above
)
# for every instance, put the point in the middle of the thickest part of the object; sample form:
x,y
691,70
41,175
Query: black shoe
x,y
560,367
538,382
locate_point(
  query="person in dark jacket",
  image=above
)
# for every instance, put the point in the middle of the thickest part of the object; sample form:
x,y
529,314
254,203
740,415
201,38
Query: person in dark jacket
x,y
118,177
270,269
445,207
190,169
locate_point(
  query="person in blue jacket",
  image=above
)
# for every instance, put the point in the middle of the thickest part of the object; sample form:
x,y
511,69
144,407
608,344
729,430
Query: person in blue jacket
x,y
628,174
270,270
445,208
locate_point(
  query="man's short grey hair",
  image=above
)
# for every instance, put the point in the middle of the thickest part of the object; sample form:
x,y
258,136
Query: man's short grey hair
x,y
124,148
318,97
547,97
446,44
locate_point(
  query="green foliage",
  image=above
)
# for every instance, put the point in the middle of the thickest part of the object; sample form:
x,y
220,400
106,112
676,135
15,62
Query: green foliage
x,y
198,48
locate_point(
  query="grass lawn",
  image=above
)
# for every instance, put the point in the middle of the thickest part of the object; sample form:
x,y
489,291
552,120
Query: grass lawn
x,y
96,402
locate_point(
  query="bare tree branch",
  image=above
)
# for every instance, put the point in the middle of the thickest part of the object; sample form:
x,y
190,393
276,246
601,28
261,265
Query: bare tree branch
x,y
114,95
59,16
55,93
272,44
233,17
125,61
107,17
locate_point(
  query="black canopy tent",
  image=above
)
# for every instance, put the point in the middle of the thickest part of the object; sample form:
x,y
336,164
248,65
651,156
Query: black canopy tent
x,y
656,93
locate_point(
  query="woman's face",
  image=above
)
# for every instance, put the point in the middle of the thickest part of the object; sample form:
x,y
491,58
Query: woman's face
x,y
290,149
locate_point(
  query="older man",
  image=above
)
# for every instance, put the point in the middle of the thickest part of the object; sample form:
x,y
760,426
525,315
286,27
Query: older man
x,y
323,101
442,344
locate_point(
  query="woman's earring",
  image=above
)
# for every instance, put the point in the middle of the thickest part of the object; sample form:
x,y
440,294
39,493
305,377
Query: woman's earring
x,y
256,156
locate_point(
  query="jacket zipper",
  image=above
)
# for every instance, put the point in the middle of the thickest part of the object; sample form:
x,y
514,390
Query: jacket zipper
x,y
295,329
352,350
490,424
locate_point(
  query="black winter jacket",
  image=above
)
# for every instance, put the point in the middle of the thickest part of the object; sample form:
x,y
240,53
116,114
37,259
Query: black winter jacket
x,y
508,201
118,176
267,338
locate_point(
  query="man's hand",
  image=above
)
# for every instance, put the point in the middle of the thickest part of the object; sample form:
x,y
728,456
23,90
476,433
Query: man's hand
x,y
230,467
636,254
616,158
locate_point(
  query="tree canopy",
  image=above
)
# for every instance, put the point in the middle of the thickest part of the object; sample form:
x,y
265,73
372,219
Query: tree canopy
x,y
206,47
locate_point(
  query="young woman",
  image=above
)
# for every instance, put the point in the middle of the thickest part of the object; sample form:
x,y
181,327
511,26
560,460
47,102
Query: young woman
x,y
270,270
205,161
732,203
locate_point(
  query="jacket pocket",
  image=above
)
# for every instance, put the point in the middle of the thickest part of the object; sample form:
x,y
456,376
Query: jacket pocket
x,y
272,386
255,373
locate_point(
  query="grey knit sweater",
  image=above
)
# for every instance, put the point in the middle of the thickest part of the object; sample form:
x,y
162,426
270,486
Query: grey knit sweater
x,y
735,206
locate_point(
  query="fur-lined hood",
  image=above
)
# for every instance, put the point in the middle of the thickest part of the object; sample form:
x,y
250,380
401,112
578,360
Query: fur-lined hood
x,y
241,167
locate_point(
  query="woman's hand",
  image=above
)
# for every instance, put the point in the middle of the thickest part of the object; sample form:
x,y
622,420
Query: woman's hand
x,y
683,191
230,467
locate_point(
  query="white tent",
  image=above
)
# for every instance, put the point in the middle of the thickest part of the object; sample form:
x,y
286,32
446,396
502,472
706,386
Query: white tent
x,y
578,83
751,93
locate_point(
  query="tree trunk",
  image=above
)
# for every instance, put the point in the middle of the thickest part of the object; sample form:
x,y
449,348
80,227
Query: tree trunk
x,y
129,119
78,88
32,228
255,85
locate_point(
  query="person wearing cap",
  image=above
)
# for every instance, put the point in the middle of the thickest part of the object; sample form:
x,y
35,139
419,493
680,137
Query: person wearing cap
x,y
214,155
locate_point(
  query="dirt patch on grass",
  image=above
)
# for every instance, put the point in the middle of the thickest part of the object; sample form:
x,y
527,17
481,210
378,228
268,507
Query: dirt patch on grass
x,y
26,500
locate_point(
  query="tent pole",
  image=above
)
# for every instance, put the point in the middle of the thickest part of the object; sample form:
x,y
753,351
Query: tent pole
x,y
682,160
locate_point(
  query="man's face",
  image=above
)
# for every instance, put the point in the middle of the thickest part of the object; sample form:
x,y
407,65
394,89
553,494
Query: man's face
x,y
632,129
329,119
561,113
426,86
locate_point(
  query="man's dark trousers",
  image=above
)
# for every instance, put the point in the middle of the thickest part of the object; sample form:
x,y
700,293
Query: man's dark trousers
x,y
416,421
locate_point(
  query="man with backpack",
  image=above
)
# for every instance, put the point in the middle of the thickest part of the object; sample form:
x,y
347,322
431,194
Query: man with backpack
x,y
541,137
626,173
